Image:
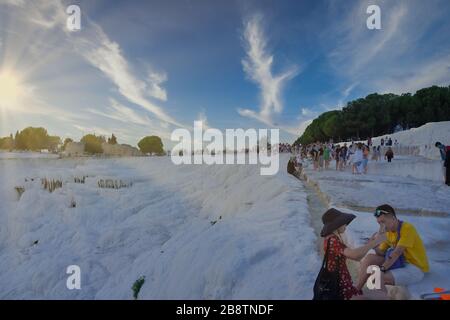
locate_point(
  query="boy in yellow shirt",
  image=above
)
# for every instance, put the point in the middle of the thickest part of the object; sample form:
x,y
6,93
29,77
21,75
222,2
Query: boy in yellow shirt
x,y
402,257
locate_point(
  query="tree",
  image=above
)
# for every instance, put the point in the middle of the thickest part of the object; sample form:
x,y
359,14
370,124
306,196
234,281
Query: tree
x,y
7,143
112,140
378,114
151,144
53,143
93,143
35,139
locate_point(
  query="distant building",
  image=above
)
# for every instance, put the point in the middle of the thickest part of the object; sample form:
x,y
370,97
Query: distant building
x,y
120,150
74,149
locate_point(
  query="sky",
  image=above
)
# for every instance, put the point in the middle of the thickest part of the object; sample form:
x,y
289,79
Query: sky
x,y
139,68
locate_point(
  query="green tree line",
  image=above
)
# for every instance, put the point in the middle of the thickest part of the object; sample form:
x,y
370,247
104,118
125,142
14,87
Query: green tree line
x,y
36,139
379,114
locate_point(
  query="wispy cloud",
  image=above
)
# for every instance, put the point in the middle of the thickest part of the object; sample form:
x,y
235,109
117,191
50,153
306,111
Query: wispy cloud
x,y
154,82
44,13
298,129
122,113
390,59
92,130
139,85
19,3
107,56
204,119
258,65
436,72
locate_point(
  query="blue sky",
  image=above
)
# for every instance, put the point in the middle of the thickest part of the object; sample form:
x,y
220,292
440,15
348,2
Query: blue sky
x,y
139,68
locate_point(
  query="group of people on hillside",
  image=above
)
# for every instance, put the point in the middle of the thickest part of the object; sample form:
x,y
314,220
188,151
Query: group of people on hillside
x,y
284,148
356,156
388,142
399,253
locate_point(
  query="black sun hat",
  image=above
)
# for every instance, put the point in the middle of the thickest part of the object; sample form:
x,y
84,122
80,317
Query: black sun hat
x,y
333,219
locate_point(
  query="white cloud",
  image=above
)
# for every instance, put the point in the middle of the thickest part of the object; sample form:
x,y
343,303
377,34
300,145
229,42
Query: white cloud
x,y
92,130
307,112
346,92
436,72
393,59
204,119
122,113
154,82
258,67
44,22
19,3
256,116
298,130
107,56
44,13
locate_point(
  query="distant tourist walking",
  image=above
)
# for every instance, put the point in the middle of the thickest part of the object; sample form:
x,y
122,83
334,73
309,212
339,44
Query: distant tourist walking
x,y
337,155
374,154
343,157
321,159
315,157
365,160
357,159
389,155
447,166
326,156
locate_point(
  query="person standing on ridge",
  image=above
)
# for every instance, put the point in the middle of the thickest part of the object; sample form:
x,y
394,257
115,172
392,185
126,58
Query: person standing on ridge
x,y
443,152
389,155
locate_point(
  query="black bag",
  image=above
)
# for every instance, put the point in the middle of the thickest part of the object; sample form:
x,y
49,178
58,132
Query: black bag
x,y
326,286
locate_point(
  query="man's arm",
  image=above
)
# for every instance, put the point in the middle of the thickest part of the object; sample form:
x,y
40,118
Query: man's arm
x,y
358,253
398,251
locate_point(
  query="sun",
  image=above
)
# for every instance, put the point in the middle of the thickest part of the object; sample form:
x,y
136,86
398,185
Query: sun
x,y
10,89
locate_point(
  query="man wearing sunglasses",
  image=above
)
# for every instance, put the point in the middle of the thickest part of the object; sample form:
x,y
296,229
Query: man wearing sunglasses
x,y
402,257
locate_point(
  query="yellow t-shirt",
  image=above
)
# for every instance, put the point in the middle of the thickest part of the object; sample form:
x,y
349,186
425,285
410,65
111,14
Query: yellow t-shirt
x,y
409,239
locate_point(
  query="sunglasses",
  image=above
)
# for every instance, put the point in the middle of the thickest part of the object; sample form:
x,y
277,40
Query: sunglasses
x,y
380,212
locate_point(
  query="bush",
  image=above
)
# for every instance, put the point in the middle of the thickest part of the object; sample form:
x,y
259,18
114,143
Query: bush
x,y
7,143
137,285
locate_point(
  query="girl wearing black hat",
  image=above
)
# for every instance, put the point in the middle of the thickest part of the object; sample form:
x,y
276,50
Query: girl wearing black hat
x,y
336,252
